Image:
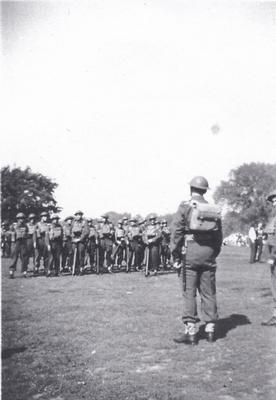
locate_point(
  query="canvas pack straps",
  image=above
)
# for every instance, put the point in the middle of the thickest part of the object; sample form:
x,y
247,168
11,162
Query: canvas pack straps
x,y
203,217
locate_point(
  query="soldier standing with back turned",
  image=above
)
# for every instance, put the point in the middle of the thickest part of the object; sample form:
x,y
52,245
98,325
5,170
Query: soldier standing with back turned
x,y
198,271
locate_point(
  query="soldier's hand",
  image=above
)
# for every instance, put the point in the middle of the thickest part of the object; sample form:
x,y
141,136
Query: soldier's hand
x,y
49,247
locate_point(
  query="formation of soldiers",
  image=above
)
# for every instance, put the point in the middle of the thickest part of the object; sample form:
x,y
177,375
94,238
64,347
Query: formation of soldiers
x,y
78,245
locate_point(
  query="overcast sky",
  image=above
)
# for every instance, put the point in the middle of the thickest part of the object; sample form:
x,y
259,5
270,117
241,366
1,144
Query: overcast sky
x,y
123,102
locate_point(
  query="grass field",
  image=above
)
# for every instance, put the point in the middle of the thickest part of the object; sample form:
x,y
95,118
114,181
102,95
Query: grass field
x,y
110,337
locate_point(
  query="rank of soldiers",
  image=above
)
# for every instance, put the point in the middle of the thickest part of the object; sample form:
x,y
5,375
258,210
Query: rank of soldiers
x,y
79,245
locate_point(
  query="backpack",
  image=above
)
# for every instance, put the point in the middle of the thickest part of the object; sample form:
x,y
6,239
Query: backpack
x,y
203,217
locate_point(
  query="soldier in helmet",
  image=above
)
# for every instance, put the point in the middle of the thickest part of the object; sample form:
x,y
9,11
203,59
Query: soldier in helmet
x,y
55,239
67,247
31,240
135,238
41,238
152,238
92,242
201,243
80,233
165,243
106,239
119,251
270,230
125,224
20,234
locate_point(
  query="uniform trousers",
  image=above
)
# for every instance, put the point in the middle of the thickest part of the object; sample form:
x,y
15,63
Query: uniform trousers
x,y
259,249
135,253
20,250
91,250
106,246
30,248
67,253
165,253
119,253
202,279
42,252
253,249
79,256
55,256
154,258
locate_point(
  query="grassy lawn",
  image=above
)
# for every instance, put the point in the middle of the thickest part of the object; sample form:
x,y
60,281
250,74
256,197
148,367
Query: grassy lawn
x,y
110,337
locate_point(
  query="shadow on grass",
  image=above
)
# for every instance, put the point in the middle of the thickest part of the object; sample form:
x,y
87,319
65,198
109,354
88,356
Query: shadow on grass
x,y
224,325
7,353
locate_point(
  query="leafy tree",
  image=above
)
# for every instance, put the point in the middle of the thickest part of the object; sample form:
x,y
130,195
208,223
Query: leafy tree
x,y
114,216
244,195
25,191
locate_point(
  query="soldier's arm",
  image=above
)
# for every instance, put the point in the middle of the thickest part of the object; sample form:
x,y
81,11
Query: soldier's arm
x,y
178,232
218,240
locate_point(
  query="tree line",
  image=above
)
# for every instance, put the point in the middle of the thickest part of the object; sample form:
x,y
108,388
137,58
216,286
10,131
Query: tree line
x,y
242,196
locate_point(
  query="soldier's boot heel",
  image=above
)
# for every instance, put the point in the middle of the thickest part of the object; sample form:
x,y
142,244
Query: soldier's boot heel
x,y
210,336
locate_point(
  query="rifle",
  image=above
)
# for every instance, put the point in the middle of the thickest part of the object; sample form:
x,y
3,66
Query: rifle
x,y
183,265
132,263
97,260
60,262
147,261
75,259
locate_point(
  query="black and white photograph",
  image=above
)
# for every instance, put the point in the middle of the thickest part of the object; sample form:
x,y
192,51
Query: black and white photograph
x,y
138,200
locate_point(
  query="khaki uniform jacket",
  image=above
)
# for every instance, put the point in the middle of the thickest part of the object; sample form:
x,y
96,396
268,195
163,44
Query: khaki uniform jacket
x,y
201,248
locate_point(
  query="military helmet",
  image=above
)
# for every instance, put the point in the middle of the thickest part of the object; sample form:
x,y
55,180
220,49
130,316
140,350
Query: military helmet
x,y
69,217
152,216
271,195
32,215
125,218
199,182
54,216
20,215
120,221
44,214
164,221
105,216
89,220
78,212
133,219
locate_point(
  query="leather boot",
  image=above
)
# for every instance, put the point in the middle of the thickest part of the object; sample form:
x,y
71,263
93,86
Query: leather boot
x,y
186,338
